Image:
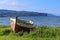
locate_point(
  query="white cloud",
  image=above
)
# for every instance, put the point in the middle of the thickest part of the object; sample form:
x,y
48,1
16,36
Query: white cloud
x,y
11,3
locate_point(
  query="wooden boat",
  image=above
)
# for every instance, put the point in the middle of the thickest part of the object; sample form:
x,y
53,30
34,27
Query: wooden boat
x,y
19,25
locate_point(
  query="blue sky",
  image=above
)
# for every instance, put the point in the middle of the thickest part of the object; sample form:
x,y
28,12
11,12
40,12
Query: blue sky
x,y
46,6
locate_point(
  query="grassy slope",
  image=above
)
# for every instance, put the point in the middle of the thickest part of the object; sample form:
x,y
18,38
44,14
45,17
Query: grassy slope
x,y
41,33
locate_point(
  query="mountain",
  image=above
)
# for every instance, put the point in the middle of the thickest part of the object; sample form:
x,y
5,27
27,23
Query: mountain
x,y
9,13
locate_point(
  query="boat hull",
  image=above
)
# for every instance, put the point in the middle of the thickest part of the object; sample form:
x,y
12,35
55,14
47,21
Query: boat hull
x,y
20,25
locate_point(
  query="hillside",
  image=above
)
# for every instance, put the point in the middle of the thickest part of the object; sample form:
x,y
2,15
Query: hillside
x,y
5,13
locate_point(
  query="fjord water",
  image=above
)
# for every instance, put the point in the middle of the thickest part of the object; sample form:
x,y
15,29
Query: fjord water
x,y
38,20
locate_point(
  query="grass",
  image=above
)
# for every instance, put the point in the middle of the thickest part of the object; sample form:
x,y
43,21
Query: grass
x,y
40,33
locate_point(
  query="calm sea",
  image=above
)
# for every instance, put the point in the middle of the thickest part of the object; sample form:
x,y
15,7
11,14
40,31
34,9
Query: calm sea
x,y
38,20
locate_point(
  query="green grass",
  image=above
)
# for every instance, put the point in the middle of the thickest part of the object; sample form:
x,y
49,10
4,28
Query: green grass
x,y
39,33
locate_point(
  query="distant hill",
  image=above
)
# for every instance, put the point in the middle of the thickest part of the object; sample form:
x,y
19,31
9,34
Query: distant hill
x,y
5,13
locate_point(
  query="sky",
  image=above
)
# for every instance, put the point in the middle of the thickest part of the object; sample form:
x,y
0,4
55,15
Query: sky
x,y
44,6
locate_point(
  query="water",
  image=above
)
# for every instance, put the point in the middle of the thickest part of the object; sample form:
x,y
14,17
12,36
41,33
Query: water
x,y
38,20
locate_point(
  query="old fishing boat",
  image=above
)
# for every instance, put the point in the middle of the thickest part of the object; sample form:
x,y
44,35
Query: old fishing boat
x,y
19,25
